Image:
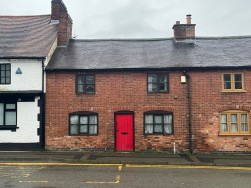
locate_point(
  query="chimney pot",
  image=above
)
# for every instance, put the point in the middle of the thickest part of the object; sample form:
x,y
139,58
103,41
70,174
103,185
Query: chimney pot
x,y
189,19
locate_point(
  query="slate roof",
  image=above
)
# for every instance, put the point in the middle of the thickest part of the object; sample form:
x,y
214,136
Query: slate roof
x,y
26,36
155,53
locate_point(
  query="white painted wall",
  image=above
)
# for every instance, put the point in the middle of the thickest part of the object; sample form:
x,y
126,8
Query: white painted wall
x,y
27,122
29,80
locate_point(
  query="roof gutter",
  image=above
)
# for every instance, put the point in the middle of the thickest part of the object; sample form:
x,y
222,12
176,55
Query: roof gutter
x,y
148,68
13,57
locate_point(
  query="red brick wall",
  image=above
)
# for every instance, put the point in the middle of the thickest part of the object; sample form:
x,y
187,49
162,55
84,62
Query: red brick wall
x,y
208,101
115,91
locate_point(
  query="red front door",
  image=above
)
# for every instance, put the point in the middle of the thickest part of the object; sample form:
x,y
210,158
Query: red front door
x,y
124,132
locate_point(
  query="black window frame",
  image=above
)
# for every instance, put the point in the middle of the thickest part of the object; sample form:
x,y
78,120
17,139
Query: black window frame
x,y
82,114
5,71
158,83
4,126
85,84
158,113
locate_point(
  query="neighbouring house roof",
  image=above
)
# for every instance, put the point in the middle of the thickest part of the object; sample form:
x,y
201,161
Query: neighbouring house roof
x,y
26,36
155,53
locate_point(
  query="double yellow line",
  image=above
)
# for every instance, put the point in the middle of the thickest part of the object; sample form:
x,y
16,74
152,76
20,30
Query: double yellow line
x,y
129,166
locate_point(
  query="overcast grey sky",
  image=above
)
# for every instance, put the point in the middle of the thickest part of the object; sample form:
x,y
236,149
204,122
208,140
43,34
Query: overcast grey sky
x,y
102,19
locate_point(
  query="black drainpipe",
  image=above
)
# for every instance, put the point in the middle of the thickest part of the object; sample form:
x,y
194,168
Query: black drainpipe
x,y
42,110
189,112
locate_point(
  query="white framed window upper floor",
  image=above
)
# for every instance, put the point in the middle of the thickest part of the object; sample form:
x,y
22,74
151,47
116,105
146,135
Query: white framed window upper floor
x,y
233,82
5,73
234,122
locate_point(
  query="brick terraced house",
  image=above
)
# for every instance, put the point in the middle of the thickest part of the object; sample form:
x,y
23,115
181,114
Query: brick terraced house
x,y
149,94
26,46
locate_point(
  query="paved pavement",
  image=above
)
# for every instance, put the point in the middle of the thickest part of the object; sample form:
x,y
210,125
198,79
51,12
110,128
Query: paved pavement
x,y
127,158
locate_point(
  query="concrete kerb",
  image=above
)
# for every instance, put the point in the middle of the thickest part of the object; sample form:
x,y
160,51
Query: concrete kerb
x,y
128,158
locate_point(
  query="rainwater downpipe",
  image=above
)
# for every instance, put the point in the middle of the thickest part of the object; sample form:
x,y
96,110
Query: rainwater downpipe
x,y
42,132
189,112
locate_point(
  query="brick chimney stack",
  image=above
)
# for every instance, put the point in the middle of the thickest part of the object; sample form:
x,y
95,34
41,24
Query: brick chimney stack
x,y
60,16
184,32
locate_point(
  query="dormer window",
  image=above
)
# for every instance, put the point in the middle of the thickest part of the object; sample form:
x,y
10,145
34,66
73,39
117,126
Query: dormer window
x,y
5,74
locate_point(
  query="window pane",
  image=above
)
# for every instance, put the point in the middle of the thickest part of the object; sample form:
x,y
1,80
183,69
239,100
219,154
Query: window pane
x,y
152,78
80,80
2,73
227,77
7,73
152,87
80,88
74,129
3,80
234,118
238,77
227,81
227,85
162,78
74,119
148,129
224,118
84,120
234,125
149,119
163,87
93,119
93,129
10,106
244,118
224,123
1,113
224,127
90,89
158,128
7,67
7,80
238,85
157,119
89,79
2,67
168,128
168,119
244,125
10,118
83,128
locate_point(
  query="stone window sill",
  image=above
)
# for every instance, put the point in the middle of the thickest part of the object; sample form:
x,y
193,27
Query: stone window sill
x,y
238,134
